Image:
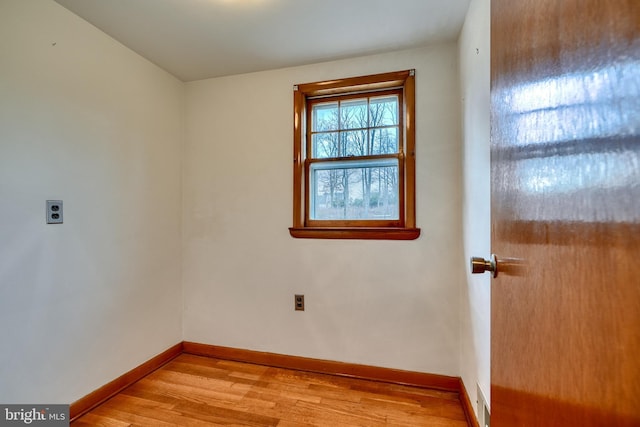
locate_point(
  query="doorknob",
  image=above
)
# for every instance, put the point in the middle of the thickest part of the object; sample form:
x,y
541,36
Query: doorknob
x,y
480,265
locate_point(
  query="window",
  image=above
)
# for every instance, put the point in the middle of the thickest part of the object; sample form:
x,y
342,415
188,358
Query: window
x,y
354,158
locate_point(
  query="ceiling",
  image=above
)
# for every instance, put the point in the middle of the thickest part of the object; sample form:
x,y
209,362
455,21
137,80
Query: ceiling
x,y
197,39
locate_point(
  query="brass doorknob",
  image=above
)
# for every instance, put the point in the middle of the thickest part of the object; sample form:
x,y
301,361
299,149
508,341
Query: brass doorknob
x,y
480,265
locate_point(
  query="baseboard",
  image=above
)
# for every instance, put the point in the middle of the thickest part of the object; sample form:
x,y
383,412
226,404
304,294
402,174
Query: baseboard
x,y
467,406
95,398
396,376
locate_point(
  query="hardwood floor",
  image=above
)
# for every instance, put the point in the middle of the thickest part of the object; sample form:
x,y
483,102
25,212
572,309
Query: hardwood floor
x,y
201,391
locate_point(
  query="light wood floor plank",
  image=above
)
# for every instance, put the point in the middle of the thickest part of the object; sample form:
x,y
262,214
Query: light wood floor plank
x,y
200,391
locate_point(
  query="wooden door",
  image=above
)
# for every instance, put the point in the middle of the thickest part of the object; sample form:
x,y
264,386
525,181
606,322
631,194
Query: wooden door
x,y
565,176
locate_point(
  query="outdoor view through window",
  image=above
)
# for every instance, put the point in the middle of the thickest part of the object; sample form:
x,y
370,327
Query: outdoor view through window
x,y
364,133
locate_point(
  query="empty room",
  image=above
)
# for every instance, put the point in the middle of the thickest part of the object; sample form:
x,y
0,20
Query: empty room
x,y
329,213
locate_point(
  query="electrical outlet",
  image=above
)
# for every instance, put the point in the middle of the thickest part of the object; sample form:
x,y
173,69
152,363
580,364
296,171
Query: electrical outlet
x,y
54,211
299,302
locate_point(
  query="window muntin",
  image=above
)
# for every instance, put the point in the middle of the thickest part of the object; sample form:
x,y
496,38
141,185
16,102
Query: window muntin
x,y
354,173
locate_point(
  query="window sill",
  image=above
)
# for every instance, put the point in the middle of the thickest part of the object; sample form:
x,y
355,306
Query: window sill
x,y
371,233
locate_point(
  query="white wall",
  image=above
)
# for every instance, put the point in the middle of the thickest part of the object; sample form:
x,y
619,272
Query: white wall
x,y
384,303
88,121
475,296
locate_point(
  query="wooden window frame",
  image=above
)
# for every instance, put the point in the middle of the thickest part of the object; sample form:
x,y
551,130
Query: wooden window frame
x,y
404,228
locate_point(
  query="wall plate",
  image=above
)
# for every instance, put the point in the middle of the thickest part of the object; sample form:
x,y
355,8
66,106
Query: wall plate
x,y
54,212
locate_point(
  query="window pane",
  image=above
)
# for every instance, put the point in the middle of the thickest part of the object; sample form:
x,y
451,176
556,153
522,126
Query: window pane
x,y
384,111
325,145
362,193
353,114
324,117
384,140
354,143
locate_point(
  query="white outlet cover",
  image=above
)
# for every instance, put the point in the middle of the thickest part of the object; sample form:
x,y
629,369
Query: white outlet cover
x,y
54,212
